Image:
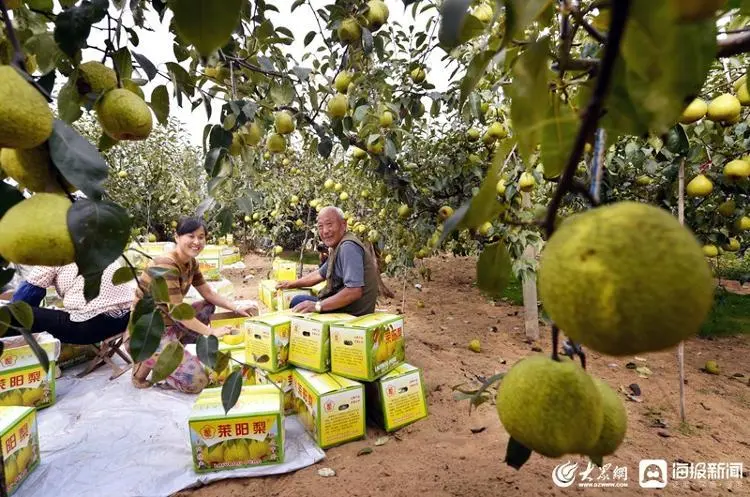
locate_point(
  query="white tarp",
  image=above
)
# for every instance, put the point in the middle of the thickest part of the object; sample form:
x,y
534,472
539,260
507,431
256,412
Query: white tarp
x,y
106,437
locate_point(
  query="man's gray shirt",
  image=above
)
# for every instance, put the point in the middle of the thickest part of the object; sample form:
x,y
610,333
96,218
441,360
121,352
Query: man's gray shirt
x,y
350,265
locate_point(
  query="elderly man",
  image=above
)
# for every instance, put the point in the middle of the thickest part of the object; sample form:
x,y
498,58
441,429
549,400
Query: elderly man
x,y
350,274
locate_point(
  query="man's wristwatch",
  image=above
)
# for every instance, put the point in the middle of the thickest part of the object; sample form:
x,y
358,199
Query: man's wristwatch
x,y
318,306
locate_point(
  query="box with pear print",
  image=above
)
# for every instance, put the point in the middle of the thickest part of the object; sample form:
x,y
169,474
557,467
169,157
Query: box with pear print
x,y
309,341
267,341
19,443
368,347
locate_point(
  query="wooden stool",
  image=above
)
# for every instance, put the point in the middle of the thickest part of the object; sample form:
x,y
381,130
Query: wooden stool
x,y
105,351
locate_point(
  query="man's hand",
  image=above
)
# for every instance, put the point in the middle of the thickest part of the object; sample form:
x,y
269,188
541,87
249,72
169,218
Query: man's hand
x,y
284,285
247,310
305,306
220,332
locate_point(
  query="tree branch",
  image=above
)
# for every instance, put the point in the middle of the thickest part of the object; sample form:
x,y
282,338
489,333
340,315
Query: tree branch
x,y
733,44
620,11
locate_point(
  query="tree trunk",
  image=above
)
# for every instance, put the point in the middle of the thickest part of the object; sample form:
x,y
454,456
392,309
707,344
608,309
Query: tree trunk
x,y
382,289
681,346
530,306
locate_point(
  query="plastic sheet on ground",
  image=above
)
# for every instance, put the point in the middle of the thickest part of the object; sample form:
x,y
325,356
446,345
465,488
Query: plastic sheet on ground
x,y
106,437
236,265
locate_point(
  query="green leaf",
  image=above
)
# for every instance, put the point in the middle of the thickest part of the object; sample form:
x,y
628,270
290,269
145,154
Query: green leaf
x,y
146,65
516,454
493,270
6,275
69,101
206,347
146,336
43,5
160,290
677,141
160,104
529,97
558,136
39,352
662,66
519,14
231,390
222,361
296,4
475,71
123,62
144,306
183,312
157,272
106,142
213,157
9,197
452,17
78,160
73,25
282,93
47,53
122,275
5,320
169,359
309,37
22,313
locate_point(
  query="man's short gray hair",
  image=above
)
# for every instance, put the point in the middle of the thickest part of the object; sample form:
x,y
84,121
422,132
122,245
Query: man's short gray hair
x,y
333,208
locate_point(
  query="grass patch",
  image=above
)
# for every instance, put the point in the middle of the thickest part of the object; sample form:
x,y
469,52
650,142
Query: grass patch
x,y
514,292
309,258
730,315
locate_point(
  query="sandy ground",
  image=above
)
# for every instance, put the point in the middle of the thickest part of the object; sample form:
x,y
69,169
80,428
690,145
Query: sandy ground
x,y
443,456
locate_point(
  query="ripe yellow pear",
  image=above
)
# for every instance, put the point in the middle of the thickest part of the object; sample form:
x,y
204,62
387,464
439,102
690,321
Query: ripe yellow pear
x,y
485,228
358,153
377,14
484,13
376,147
403,210
276,143
328,184
445,212
473,134
500,187
644,180
32,168
418,75
475,346
737,170
724,108
527,182
497,130
338,187
743,95
727,208
732,246
95,77
206,24
124,116
337,106
694,112
342,81
284,122
343,196
551,407
615,422
386,119
710,250
35,231
25,118
625,278
700,186
349,31
743,223
252,133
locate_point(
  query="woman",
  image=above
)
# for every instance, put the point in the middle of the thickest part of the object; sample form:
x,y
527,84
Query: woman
x,y
189,377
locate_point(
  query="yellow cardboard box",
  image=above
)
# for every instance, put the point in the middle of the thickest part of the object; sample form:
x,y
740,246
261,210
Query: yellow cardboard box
x,y
284,297
309,341
72,355
330,407
229,256
316,289
368,347
267,293
398,398
223,287
267,343
23,381
283,270
19,443
283,380
250,434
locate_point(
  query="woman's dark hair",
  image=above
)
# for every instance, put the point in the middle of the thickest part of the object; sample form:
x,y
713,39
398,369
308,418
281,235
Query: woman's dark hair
x,y
189,224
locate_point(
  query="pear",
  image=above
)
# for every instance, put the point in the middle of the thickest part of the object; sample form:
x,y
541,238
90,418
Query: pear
x,y
35,232
276,143
742,224
724,108
710,250
206,24
417,75
743,95
386,119
727,208
445,212
377,14
337,106
32,168
342,81
472,135
737,170
644,180
349,31
497,130
95,77
284,122
694,112
500,187
700,186
25,118
484,13
358,153
527,182
403,211
124,116
732,246
376,147
130,85
253,134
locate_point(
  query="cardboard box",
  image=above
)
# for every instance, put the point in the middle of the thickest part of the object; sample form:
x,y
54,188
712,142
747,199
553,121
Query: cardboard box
x,y
283,380
397,399
250,434
267,343
316,289
223,287
309,340
19,443
267,293
236,362
23,382
330,407
73,355
283,270
368,347
284,297
229,256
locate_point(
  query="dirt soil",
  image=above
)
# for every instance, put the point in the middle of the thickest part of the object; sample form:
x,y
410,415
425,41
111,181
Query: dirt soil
x,y
454,453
